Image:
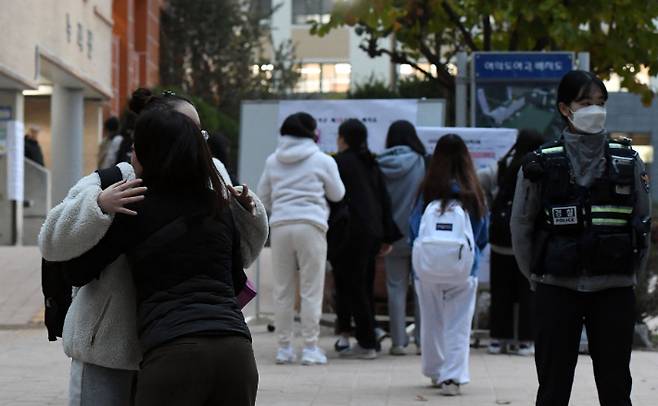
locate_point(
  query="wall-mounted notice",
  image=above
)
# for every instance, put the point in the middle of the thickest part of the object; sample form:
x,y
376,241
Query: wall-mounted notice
x,y
15,159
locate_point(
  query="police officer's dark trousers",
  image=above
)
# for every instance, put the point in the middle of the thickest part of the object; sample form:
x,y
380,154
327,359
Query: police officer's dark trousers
x,y
609,317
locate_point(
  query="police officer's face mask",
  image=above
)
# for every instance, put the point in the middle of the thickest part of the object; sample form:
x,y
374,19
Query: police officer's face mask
x,y
590,119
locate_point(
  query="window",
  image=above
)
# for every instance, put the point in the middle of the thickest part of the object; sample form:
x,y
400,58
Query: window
x,y
305,11
90,43
324,78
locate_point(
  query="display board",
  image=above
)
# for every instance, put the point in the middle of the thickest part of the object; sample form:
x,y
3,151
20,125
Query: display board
x,y
518,89
377,115
260,122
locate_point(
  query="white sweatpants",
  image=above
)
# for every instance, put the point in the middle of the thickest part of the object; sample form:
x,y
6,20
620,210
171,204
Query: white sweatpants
x,y
447,313
298,247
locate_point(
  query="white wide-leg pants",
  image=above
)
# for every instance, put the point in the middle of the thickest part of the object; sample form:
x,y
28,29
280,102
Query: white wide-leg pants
x,y
446,312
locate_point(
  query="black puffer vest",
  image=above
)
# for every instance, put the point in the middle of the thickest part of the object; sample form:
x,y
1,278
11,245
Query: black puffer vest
x,y
586,230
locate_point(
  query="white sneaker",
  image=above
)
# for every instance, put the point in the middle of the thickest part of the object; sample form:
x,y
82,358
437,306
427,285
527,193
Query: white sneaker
x,y
285,355
526,349
342,344
449,388
495,347
313,356
356,351
381,334
397,350
435,383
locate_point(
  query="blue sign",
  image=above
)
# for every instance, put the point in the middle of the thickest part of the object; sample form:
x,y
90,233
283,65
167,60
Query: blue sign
x,y
522,65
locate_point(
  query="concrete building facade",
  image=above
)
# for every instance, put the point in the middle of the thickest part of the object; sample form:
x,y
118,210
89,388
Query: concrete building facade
x,y
65,65
60,50
330,64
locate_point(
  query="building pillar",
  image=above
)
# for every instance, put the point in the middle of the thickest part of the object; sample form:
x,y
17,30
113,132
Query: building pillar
x,y
67,122
11,212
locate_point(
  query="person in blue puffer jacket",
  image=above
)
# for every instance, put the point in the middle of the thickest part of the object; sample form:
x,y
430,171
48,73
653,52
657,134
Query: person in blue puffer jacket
x,y
447,310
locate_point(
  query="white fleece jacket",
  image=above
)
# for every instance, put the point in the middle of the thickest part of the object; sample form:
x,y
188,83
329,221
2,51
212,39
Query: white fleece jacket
x,y
297,181
101,326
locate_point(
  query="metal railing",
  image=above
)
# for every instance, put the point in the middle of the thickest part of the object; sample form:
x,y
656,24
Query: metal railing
x,y
35,206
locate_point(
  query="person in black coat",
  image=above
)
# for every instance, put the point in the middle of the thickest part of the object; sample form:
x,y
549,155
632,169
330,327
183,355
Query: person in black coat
x,y
372,231
32,147
185,256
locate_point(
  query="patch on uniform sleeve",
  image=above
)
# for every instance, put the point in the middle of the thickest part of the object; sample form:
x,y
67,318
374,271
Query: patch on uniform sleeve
x,y
564,216
646,181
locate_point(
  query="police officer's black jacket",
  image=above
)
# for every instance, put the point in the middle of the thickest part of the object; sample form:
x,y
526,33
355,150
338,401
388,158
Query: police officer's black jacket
x,y
580,214
185,265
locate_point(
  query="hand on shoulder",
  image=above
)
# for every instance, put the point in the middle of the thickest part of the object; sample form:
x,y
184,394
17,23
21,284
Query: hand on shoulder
x,y
115,197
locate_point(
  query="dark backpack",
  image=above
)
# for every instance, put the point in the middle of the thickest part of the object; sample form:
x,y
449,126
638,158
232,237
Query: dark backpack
x,y
57,289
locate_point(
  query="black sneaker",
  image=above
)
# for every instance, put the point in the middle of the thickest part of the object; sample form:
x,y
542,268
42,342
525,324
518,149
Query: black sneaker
x,y
341,347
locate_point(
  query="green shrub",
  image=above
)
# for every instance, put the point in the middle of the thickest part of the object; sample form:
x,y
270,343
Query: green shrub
x,y
214,120
372,89
417,88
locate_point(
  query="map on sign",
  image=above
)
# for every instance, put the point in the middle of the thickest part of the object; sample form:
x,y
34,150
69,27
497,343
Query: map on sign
x,y
519,89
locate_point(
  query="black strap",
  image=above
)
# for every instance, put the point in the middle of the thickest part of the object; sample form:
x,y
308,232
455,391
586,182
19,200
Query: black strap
x,y
109,176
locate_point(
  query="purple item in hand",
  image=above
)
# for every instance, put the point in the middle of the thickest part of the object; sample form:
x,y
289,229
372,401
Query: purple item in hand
x,y
246,294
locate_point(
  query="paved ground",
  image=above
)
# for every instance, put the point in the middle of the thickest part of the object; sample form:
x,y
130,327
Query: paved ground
x,y
34,371
20,285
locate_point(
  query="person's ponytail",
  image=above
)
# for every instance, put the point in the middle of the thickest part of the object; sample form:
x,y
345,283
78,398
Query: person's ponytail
x,y
355,134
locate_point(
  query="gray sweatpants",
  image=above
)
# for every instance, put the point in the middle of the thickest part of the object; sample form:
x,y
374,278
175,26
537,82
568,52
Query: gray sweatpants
x,y
99,386
398,279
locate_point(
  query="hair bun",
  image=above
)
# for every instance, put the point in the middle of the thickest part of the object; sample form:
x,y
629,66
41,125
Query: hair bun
x,y
139,99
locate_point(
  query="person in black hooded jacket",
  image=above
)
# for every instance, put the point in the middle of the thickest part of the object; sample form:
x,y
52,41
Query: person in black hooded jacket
x,y
185,256
372,231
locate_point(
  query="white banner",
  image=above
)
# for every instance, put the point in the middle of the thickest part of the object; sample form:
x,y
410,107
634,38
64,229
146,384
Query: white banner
x,y
486,145
15,159
377,115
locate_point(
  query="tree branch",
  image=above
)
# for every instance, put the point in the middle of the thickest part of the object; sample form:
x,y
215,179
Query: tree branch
x,y
443,76
541,43
486,24
468,38
514,35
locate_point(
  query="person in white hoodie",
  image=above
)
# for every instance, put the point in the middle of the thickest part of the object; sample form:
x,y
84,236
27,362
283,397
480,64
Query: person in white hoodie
x,y
295,185
100,330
